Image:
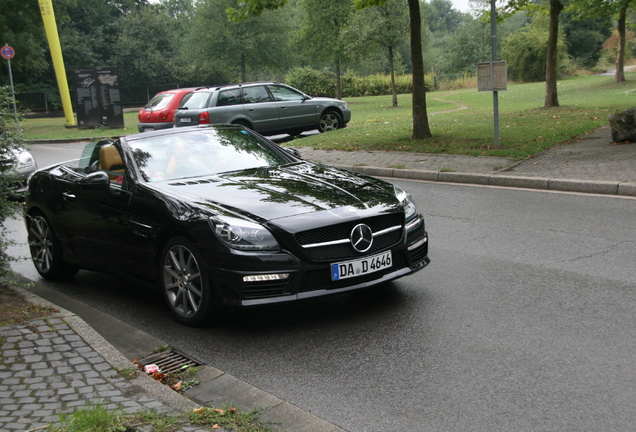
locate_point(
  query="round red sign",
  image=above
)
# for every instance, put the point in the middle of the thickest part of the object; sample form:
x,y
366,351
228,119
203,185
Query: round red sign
x,y
7,52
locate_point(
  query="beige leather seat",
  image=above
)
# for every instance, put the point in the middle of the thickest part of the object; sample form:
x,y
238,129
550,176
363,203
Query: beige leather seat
x,y
111,162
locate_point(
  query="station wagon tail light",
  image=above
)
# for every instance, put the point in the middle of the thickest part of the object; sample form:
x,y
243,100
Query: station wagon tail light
x,y
204,118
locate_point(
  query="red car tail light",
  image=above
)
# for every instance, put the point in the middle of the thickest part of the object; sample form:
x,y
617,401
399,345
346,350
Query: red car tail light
x,y
204,118
163,115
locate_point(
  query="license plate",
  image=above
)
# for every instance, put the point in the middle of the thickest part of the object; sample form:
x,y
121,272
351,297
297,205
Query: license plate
x,y
148,129
359,267
185,120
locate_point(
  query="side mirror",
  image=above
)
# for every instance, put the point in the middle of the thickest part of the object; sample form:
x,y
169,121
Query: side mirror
x,y
95,180
293,151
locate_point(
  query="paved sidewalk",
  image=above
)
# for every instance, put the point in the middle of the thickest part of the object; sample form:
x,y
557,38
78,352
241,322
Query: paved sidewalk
x,y
589,163
59,364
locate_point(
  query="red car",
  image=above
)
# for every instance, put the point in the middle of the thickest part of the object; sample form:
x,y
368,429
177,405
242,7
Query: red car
x,y
159,112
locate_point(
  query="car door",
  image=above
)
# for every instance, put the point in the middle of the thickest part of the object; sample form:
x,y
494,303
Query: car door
x,y
296,111
94,218
260,109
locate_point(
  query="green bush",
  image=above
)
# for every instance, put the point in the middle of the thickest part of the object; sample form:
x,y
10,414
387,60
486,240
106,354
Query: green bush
x,y
313,82
9,138
323,83
526,51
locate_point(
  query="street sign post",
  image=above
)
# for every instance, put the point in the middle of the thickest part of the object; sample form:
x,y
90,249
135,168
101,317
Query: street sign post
x,y
8,53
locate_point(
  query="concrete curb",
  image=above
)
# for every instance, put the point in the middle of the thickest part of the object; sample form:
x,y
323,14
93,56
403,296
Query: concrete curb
x,y
553,184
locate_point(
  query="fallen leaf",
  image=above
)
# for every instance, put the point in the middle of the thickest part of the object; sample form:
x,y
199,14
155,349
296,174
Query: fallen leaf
x,y
177,386
159,376
216,426
198,410
219,410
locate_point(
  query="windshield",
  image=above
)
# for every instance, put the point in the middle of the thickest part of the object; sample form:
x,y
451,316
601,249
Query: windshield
x,y
160,101
201,152
195,100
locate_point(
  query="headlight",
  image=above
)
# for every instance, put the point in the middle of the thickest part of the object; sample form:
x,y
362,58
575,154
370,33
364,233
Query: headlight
x,y
241,234
410,210
25,159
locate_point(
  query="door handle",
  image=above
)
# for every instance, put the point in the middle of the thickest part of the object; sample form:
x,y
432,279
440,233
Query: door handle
x,y
68,195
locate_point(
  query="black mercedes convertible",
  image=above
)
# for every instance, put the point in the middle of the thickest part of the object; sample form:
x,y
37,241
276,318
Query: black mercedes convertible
x,y
218,215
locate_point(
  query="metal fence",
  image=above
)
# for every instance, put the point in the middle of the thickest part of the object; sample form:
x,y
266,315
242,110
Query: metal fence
x,y
139,96
130,97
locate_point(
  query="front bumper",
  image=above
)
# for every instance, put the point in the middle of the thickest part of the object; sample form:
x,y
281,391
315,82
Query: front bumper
x,y
305,280
148,127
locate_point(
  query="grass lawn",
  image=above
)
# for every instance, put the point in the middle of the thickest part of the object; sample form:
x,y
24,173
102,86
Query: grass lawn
x,y
461,121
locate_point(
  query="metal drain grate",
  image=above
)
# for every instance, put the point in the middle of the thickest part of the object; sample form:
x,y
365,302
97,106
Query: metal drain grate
x,y
170,361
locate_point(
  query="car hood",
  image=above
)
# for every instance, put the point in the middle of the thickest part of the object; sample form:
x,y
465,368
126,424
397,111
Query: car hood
x,y
278,192
326,99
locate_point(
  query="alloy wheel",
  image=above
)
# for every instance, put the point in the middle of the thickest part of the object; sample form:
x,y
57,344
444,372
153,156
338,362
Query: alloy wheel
x,y
182,281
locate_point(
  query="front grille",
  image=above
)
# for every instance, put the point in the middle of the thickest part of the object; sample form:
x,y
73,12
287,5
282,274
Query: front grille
x,y
321,279
342,232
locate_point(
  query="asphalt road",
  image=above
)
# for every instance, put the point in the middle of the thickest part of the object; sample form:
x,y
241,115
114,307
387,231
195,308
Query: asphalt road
x,y
523,321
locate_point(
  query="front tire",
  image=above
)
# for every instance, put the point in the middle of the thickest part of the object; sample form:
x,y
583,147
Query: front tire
x,y
184,281
46,251
329,121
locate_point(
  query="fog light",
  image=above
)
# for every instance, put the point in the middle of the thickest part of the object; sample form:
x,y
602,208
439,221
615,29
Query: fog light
x,y
265,277
418,244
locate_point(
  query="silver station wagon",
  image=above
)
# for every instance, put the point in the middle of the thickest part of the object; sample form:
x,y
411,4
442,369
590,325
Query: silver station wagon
x,y
267,107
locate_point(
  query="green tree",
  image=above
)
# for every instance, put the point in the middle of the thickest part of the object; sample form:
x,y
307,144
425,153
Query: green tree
x,y
385,26
21,27
465,47
236,49
89,34
321,33
526,51
617,8
146,48
441,17
421,127
584,37
554,8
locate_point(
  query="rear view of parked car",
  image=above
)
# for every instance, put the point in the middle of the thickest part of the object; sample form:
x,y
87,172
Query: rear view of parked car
x,y
269,108
159,112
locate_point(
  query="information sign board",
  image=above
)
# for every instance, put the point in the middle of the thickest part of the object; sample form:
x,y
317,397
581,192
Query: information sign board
x,y
492,76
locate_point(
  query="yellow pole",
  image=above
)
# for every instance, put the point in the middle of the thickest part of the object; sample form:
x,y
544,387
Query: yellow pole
x,y
48,16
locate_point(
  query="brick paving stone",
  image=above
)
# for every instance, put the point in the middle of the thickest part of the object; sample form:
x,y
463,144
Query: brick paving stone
x,y
52,370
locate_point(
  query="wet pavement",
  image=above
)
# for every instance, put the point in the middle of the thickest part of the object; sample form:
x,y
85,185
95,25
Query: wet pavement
x,y
59,364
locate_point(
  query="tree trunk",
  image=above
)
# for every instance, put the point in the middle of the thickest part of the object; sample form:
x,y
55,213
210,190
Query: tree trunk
x,y
338,85
421,129
551,99
393,87
243,69
620,57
